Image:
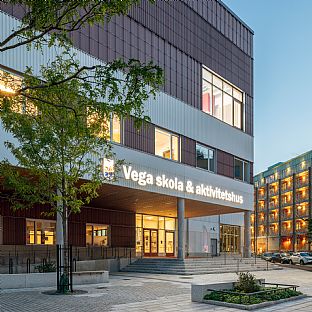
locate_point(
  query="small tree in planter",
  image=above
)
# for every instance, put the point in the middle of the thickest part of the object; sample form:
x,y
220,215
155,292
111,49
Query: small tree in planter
x,y
247,283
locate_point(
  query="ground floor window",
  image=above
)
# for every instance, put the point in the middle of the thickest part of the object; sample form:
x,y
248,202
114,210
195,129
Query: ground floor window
x,y
97,235
155,235
40,232
230,237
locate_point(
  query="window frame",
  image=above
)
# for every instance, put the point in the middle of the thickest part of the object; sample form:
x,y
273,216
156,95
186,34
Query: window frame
x,y
100,225
214,157
225,86
35,221
171,135
244,162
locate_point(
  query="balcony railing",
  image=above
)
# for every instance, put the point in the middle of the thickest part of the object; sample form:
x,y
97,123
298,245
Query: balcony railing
x,y
303,214
261,233
261,196
301,199
261,208
273,192
286,216
262,220
273,232
303,229
300,183
287,231
273,205
286,188
287,203
273,218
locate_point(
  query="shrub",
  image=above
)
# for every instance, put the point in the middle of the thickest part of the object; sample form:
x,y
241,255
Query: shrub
x,y
247,283
46,267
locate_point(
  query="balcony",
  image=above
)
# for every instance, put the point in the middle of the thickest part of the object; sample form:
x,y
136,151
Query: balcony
x,y
286,188
262,220
302,183
287,203
273,191
261,195
273,218
301,199
273,205
273,232
262,233
302,229
287,231
261,208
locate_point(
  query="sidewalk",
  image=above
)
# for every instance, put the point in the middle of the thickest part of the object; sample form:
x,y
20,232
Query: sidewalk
x,y
147,292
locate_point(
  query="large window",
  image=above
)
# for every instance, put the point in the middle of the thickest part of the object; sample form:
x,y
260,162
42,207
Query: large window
x,y
230,238
241,170
222,100
167,145
97,235
40,232
205,157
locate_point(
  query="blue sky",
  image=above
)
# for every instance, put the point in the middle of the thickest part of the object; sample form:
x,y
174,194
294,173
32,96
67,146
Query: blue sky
x,y
283,76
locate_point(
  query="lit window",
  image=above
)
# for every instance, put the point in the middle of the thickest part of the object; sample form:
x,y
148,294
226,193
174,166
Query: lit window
x,y
8,83
241,170
40,232
97,235
110,129
205,157
167,145
222,100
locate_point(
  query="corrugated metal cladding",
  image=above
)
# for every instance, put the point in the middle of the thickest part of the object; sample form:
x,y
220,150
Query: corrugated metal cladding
x,y
225,164
179,36
142,139
122,224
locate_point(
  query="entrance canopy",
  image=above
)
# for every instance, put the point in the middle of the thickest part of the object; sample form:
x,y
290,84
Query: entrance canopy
x,y
139,201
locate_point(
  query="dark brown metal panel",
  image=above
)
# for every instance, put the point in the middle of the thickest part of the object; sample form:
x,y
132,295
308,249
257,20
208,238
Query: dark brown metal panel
x,y
188,151
251,173
225,164
14,231
142,139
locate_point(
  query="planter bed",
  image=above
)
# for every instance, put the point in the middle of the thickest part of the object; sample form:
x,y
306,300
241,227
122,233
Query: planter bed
x,y
267,296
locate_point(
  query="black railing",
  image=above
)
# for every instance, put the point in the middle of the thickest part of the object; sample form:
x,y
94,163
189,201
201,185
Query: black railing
x,y
64,269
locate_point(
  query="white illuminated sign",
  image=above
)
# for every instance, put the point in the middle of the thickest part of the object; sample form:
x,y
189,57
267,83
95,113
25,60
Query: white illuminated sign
x,y
144,178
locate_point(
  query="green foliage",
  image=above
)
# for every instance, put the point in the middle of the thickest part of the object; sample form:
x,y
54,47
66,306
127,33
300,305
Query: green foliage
x,y
276,294
46,267
61,135
309,231
247,283
59,19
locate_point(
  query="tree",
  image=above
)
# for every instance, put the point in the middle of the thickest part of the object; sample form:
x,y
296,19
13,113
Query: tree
x,y
62,130
59,19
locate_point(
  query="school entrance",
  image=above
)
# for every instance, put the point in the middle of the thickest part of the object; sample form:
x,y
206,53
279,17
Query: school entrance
x,y
155,235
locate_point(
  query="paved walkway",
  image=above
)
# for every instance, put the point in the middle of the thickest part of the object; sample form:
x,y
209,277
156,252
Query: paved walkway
x,y
147,292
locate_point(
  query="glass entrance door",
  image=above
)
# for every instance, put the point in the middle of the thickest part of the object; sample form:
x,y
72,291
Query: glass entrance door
x,y
169,243
150,242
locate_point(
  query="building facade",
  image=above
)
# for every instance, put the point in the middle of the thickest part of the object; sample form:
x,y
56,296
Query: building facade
x,y
283,206
187,187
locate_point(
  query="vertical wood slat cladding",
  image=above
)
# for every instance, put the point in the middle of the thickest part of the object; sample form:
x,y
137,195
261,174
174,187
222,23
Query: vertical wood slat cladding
x,y
122,223
188,151
180,47
225,164
142,139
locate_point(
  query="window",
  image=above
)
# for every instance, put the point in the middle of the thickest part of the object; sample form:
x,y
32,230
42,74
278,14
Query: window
x,y
205,157
97,235
241,170
222,100
111,129
167,145
40,232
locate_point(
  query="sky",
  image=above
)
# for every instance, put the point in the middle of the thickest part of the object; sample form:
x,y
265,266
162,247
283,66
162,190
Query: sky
x,y
283,76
